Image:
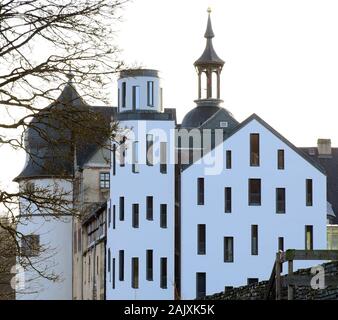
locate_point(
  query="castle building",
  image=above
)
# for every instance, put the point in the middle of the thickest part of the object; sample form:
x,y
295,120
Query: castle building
x,y
184,210
235,194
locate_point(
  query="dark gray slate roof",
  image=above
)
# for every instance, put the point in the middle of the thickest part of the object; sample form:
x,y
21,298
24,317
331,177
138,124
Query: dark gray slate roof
x,y
47,139
330,164
167,114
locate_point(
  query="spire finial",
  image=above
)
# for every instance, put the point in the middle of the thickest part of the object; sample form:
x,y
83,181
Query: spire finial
x,y
209,33
209,10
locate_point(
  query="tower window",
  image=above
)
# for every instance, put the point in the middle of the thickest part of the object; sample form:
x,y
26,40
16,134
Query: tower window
x,y
200,191
109,260
227,200
149,149
136,97
104,180
228,159
200,285
134,273
280,200
254,240
309,187
114,216
121,208
135,217
135,166
121,266
163,157
254,192
308,237
280,155
280,243
163,280
254,149
163,216
228,249
201,239
150,93
124,94
149,261
150,208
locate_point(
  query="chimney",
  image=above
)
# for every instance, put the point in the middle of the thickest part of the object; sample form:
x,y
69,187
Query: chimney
x,y
324,148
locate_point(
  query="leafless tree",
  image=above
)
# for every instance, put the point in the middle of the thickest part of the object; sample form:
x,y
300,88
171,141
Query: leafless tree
x,y
45,44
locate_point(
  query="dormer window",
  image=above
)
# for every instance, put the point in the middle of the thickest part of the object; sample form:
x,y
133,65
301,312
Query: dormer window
x,y
150,93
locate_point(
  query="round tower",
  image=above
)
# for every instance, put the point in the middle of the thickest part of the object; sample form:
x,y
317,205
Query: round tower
x,y
49,170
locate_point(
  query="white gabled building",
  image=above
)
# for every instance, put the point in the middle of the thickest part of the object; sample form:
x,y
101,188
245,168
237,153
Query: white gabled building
x,y
238,193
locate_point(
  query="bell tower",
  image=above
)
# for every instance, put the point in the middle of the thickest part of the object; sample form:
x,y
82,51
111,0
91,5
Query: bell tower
x,y
209,67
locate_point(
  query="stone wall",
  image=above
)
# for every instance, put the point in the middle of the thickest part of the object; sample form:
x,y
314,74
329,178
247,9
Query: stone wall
x,y
256,291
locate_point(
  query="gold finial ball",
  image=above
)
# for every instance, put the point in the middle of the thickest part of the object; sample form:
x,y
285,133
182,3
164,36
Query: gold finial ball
x,y
209,10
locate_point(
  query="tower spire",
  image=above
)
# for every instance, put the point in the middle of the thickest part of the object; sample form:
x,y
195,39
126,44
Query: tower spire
x,y
209,63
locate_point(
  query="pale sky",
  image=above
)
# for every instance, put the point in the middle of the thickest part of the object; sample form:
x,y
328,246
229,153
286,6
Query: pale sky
x,y
281,61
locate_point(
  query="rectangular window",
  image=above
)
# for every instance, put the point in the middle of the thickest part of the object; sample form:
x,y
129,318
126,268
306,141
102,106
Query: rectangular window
x,y
121,208
280,200
227,199
135,165
134,273
124,94
254,149
118,97
109,217
228,159
309,188
150,93
136,97
114,159
121,266
280,164
149,275
163,157
163,281
200,191
113,285
200,285
308,237
104,180
30,245
150,149
254,192
150,208
254,240
280,244
135,216
108,260
228,249
161,98
201,239
163,216
114,216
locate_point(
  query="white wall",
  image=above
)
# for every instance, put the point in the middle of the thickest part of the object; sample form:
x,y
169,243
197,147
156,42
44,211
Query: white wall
x,y
290,225
135,187
56,239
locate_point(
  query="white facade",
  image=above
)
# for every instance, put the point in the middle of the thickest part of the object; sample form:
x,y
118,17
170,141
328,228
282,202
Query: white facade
x,y
55,239
135,184
237,224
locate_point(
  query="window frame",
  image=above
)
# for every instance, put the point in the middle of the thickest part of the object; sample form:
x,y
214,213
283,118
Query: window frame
x,y
228,258
258,201
254,154
280,204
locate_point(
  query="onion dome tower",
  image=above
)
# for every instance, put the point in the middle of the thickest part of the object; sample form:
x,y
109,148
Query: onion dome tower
x,y
208,113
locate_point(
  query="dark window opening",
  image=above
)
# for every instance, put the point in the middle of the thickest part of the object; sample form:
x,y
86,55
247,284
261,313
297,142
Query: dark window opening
x,y
227,200
150,208
135,215
124,94
163,216
150,149
280,164
228,159
121,265
309,196
254,240
113,284
228,249
134,273
308,237
280,200
163,157
114,159
254,149
200,285
200,191
163,281
150,93
254,192
201,239
149,275
136,97
114,216
121,208
252,280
